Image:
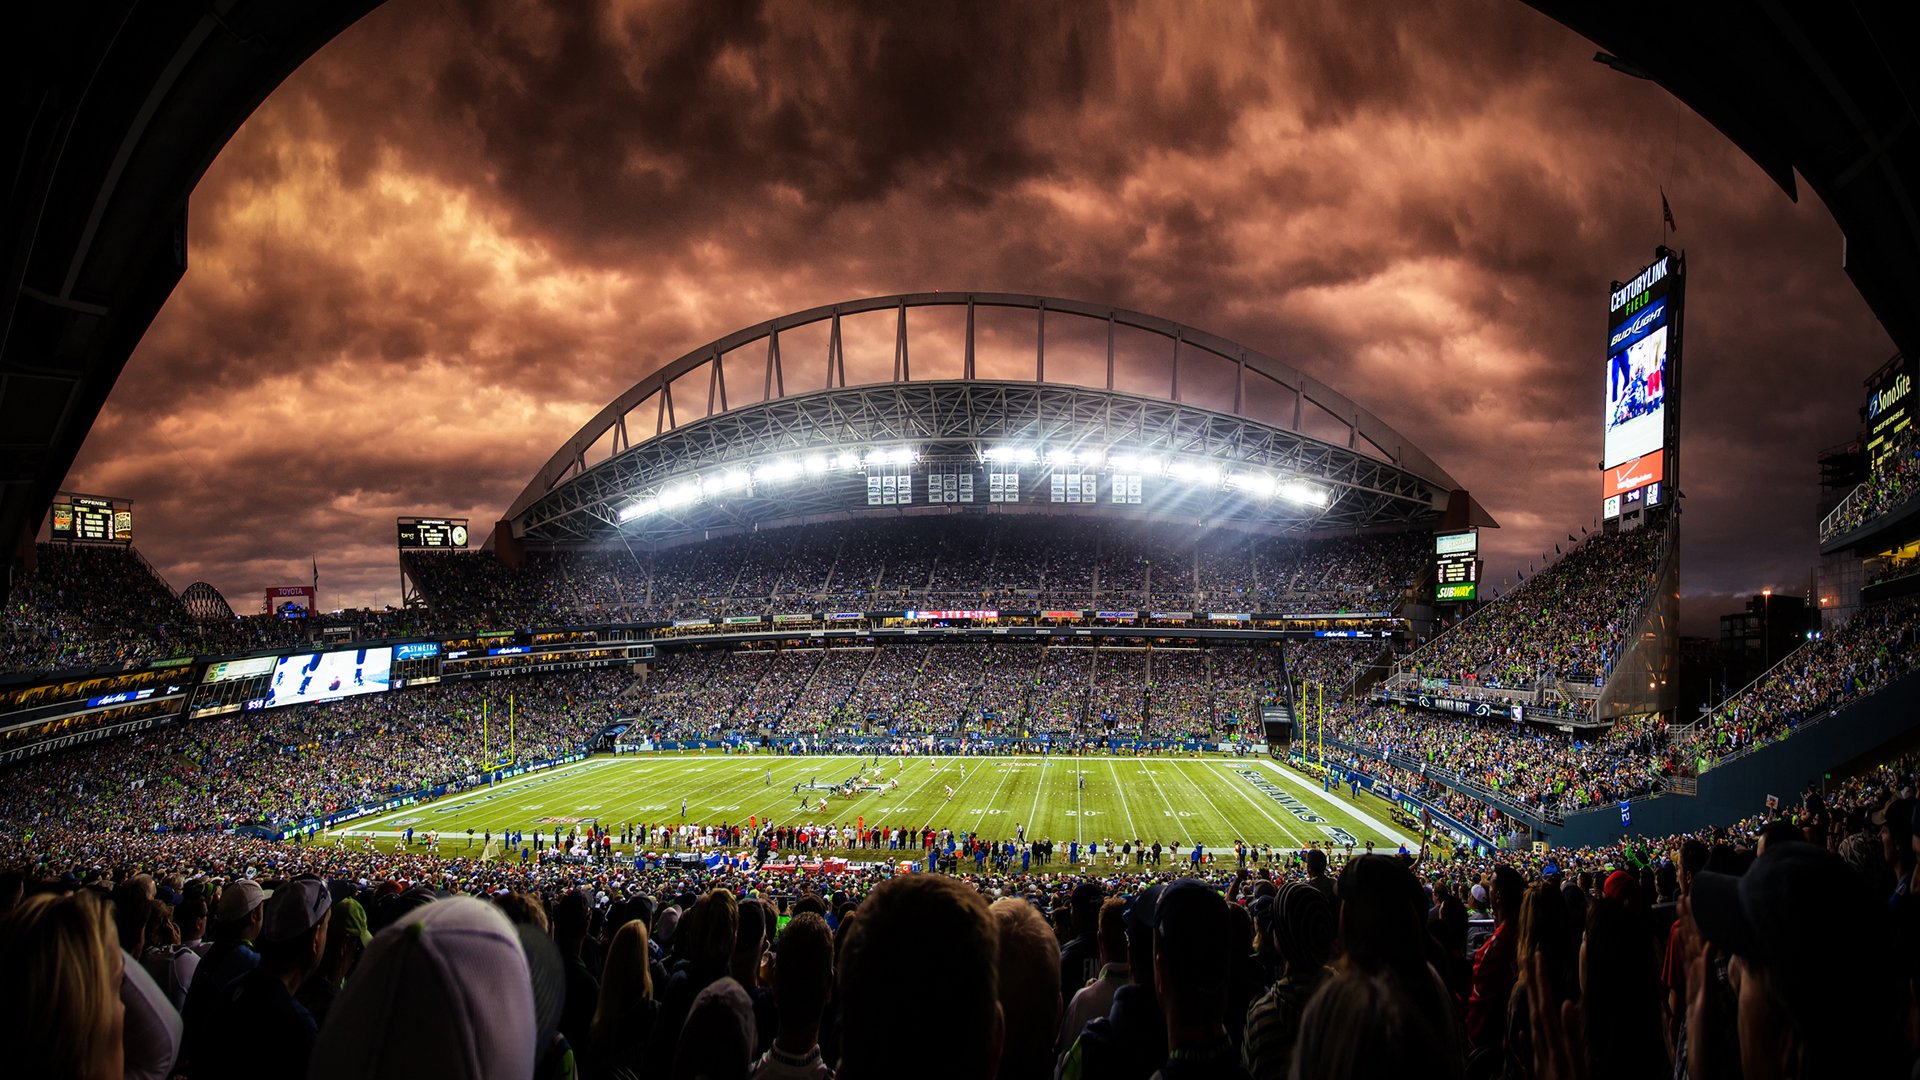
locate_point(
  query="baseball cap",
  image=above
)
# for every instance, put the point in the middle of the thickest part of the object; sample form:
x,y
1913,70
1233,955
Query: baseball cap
x,y
1621,887
1762,916
1140,911
350,918
296,907
1194,931
238,900
1087,894
445,991
1261,908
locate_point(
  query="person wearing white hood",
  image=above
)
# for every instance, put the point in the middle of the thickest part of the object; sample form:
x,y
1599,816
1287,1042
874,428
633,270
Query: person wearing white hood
x,y
443,992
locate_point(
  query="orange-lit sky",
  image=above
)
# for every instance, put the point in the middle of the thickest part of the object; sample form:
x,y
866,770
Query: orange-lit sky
x,y
460,229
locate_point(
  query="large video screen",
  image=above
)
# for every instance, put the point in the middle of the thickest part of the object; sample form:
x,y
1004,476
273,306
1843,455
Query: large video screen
x,y
310,677
1637,373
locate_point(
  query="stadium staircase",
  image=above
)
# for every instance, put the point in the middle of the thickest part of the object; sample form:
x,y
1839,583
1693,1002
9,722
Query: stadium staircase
x,y
1646,673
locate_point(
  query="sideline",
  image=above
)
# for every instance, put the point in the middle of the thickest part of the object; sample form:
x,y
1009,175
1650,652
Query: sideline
x,y
1346,807
360,825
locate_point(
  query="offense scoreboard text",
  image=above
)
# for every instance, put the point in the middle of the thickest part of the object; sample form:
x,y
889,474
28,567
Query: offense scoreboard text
x,y
433,532
92,519
1456,576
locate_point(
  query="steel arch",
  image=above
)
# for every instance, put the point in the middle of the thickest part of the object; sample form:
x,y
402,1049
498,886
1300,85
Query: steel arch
x,y
1375,458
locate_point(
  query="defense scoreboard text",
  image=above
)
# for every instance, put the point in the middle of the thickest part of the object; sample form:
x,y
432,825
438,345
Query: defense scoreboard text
x,y
1456,571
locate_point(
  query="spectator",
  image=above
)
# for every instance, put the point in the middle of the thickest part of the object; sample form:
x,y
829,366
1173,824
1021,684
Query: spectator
x,y
1383,932
170,963
571,918
1192,963
626,1011
1365,1024
1131,1040
1619,997
443,992
909,928
1029,965
749,959
1317,878
719,1038
1545,930
1079,957
231,958
1096,997
1494,969
258,1019
802,981
347,939
60,1003
1810,1004
704,942
1299,925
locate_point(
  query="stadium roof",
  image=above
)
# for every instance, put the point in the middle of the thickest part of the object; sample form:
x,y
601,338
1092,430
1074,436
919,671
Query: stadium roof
x,y
1825,90
119,107
1277,450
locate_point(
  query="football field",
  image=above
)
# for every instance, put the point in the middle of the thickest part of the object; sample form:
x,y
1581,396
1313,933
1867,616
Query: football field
x,y
1210,800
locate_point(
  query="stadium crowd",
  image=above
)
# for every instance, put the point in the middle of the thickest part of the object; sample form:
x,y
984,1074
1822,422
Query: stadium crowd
x,y
997,690
96,607
290,765
1532,766
1889,485
89,607
1778,948
958,561
1564,623
1875,647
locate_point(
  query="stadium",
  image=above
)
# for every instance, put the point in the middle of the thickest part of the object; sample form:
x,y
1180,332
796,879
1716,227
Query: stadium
x,y
1111,686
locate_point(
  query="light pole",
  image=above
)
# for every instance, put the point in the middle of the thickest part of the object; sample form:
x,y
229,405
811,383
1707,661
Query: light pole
x,y
1766,629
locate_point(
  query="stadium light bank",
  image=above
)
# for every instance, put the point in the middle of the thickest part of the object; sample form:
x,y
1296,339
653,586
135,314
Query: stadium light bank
x,y
1202,473
1197,473
768,474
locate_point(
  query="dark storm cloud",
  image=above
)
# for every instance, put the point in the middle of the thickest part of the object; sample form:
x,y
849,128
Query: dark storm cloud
x,y
462,228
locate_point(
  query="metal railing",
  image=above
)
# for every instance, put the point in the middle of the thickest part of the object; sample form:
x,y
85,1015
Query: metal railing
x,y
1538,817
1832,525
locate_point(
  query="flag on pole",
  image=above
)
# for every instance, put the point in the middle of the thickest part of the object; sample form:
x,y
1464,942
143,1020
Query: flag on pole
x,y
1666,212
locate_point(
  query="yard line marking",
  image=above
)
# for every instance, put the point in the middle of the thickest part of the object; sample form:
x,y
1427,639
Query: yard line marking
x,y
1005,774
1039,785
1180,768
786,779
1131,827
1182,822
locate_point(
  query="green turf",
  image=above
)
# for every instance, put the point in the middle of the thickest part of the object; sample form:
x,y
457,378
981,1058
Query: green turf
x,y
1210,800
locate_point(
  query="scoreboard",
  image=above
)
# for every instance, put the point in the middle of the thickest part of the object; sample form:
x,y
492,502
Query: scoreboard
x,y
1456,576
433,532
91,519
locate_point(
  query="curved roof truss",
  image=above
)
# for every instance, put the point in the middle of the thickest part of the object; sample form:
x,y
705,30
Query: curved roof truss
x,y
658,429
